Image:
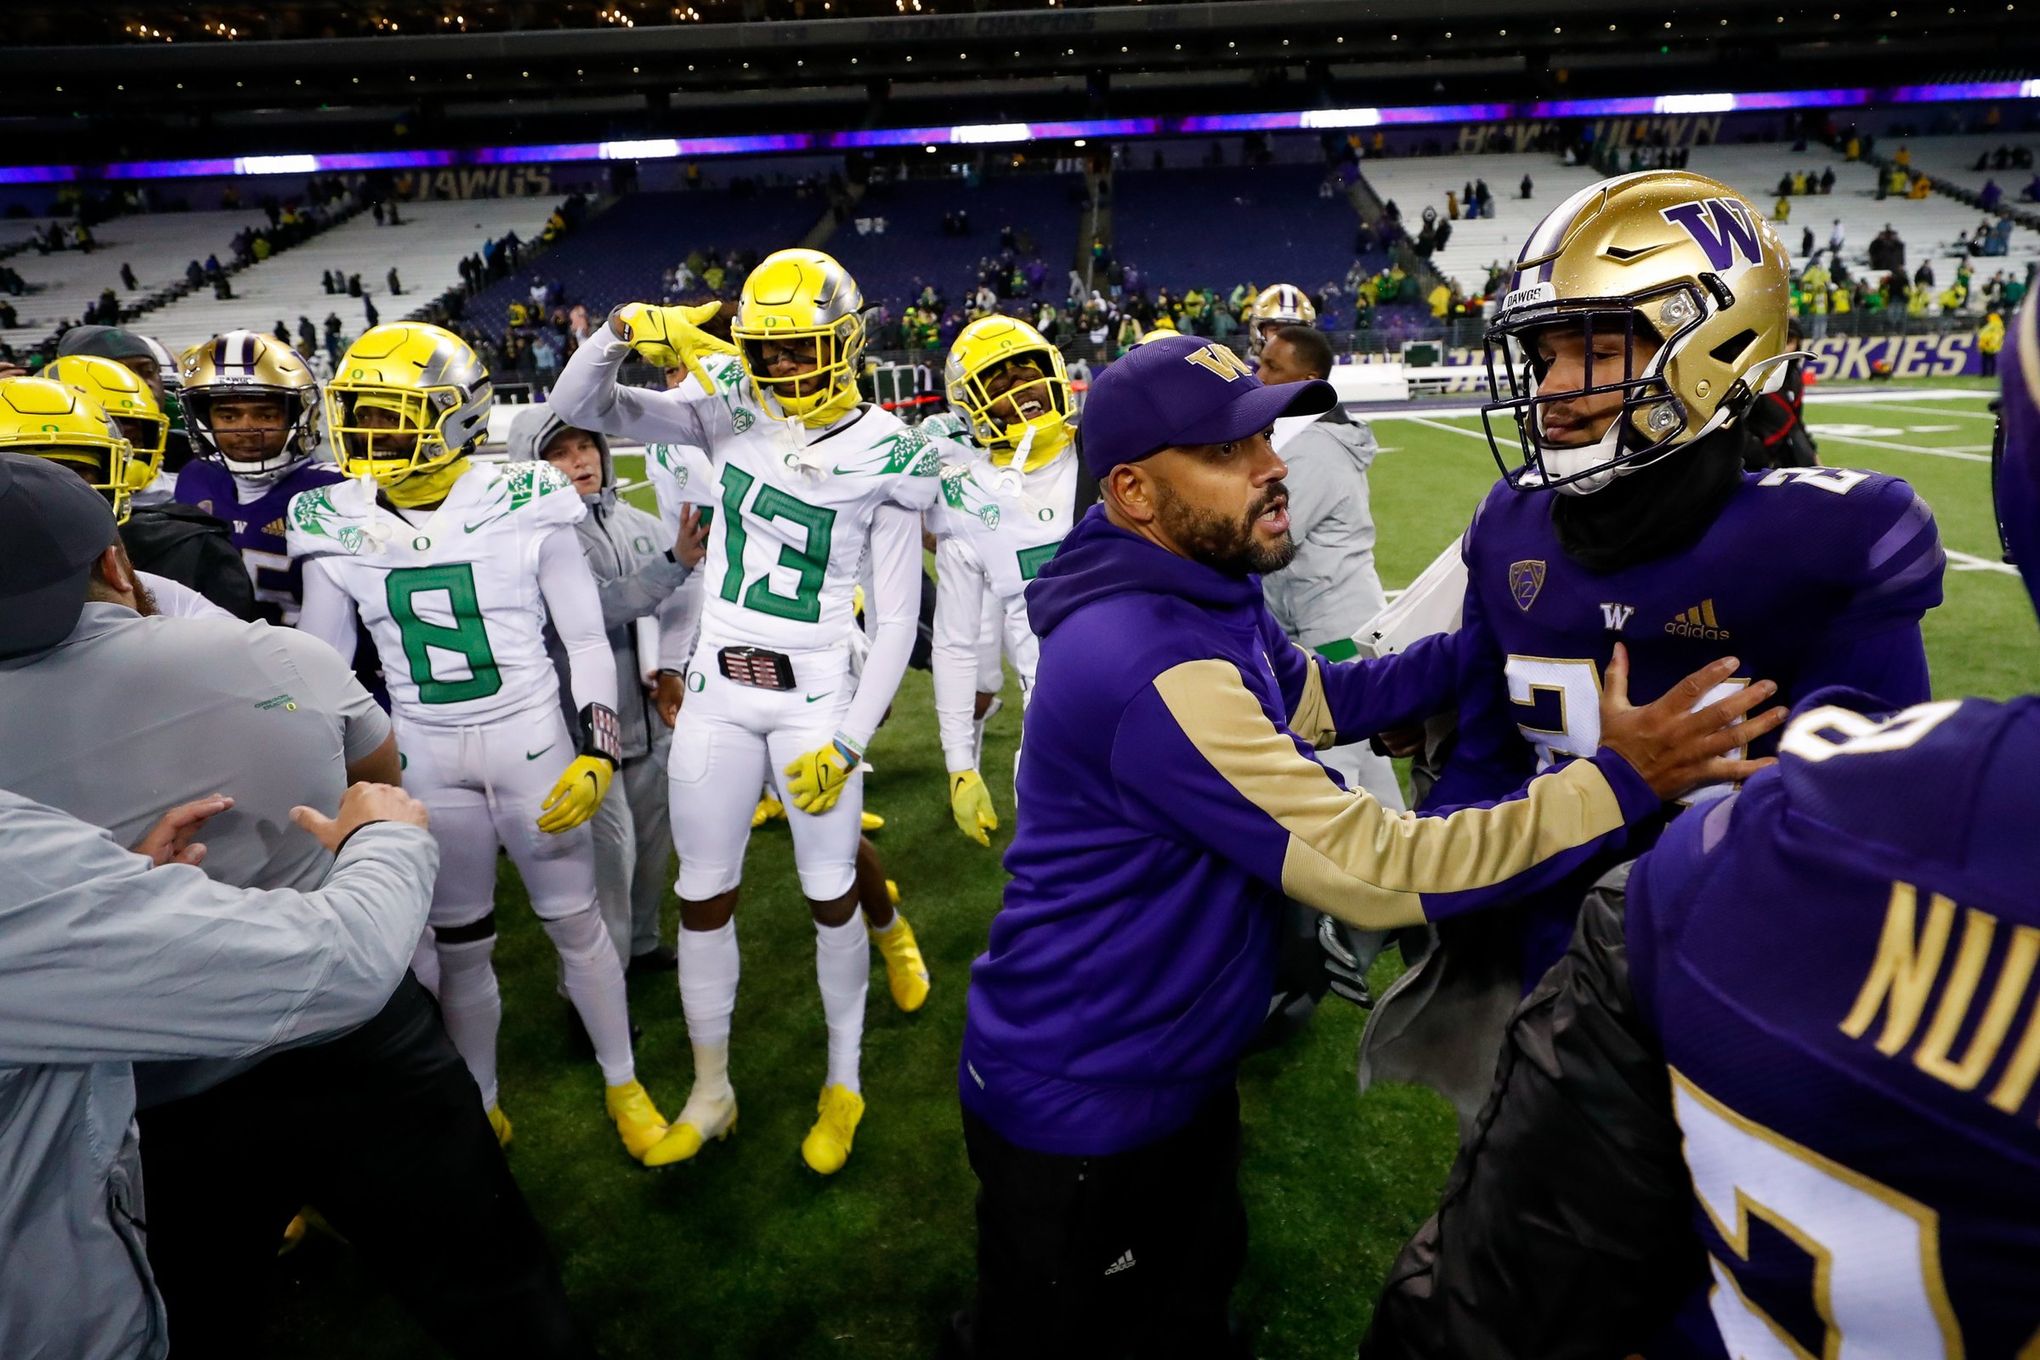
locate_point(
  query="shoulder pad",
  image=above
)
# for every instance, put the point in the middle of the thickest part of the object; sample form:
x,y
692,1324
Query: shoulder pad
x,y
328,519
534,490
962,493
905,451
947,425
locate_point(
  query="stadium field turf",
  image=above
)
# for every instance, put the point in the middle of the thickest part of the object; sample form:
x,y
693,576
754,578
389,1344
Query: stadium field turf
x,y
745,1253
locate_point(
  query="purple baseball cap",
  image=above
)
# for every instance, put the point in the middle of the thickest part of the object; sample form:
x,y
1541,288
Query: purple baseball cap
x,y
1180,390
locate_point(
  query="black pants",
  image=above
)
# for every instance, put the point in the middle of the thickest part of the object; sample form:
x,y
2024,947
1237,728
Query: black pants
x,y
382,1131
1131,1255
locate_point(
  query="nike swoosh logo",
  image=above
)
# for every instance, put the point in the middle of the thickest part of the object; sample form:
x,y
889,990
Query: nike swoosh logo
x,y
534,755
823,695
470,528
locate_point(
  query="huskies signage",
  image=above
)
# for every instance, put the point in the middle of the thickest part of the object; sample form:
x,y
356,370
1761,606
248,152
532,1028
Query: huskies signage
x,y
497,181
1859,358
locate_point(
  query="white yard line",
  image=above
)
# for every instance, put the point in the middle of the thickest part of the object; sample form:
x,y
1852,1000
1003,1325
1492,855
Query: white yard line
x,y
1823,437
1962,561
1818,396
1939,411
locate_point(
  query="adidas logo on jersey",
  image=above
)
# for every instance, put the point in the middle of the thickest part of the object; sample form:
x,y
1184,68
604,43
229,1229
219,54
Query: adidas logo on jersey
x,y
1698,622
1125,1262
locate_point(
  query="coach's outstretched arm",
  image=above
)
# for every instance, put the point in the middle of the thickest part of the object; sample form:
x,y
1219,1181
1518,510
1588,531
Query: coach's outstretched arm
x,y
589,396
1197,748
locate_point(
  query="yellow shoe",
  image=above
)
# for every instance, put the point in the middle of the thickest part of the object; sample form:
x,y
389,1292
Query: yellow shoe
x,y
293,1235
827,1145
873,822
500,1122
637,1119
906,972
701,1121
768,810
892,892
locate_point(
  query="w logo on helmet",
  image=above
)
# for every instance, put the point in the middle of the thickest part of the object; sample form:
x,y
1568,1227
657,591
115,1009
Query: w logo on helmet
x,y
1724,229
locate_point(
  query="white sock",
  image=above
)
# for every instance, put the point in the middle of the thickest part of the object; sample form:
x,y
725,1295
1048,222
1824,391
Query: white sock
x,y
594,982
472,1008
708,995
843,971
888,928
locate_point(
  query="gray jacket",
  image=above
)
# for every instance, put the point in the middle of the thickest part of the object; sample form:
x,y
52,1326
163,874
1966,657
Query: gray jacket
x,y
627,552
1330,590
105,961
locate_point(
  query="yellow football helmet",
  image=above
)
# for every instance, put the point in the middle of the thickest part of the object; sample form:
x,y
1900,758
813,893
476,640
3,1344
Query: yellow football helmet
x,y
795,296
251,364
409,398
1283,304
999,352
57,421
1665,258
114,389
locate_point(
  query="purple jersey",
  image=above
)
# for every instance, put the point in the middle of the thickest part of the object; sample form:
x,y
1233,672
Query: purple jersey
x,y
1840,965
1812,576
257,526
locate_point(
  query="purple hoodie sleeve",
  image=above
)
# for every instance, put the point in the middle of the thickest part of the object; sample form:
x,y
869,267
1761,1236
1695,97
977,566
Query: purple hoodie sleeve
x,y
1334,702
1197,757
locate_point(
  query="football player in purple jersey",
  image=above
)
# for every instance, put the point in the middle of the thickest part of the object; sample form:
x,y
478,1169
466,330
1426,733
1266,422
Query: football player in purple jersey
x,y
1782,1095
252,407
1645,318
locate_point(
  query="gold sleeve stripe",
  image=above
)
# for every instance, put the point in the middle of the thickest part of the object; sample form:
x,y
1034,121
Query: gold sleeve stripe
x,y
1350,856
1312,719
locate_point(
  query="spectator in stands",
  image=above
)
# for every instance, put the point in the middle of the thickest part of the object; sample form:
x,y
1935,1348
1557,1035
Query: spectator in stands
x,y
194,275
1990,338
368,310
377,212
395,219
281,332
326,281
9,319
127,277
1427,240
1921,188
1524,187
1988,197
1887,251
1781,211
1827,180
396,287
1837,237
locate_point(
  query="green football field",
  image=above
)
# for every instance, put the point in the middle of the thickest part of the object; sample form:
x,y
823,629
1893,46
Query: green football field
x,y
745,1253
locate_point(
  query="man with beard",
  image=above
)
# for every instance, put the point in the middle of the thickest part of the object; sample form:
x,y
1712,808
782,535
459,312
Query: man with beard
x,y
1172,802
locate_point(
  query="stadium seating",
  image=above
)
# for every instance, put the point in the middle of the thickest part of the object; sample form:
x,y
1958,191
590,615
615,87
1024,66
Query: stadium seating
x,y
1948,160
158,245
1415,182
1245,224
1932,228
891,268
621,254
426,249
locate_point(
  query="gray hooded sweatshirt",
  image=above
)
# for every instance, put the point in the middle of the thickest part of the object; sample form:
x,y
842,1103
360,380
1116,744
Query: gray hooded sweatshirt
x,y
627,551
1330,591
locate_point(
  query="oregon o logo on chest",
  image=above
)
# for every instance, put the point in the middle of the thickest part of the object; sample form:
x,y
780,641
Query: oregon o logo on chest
x,y
1045,514
420,543
642,544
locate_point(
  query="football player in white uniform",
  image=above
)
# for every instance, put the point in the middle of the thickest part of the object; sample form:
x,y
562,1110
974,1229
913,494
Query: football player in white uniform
x,y
1003,515
810,479
455,567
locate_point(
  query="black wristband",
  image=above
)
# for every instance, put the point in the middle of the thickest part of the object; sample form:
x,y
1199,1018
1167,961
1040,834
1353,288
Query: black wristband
x,y
600,734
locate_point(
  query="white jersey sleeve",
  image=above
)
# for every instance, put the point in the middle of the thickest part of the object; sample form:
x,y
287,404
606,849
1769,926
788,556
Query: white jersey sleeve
x,y
960,590
589,397
451,595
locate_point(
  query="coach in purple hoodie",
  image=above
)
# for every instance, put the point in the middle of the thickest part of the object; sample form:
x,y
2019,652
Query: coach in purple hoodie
x,y
1170,799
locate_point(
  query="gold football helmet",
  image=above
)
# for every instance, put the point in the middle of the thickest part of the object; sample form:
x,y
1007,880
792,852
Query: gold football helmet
x,y
114,389
1284,304
1010,384
54,420
409,398
798,302
1663,258
251,365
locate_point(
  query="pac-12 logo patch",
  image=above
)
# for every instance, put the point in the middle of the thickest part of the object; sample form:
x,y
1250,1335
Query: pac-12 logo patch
x,y
1525,580
1723,227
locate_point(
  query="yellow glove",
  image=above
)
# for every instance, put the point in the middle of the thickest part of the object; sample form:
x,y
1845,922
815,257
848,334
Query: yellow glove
x,y
576,795
816,780
670,337
970,802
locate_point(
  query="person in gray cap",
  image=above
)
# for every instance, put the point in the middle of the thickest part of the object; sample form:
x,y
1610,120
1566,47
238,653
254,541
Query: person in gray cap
x,y
110,957
638,572
385,1134
1173,802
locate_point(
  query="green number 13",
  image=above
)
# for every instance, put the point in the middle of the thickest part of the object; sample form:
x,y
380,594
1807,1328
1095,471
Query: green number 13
x,y
465,636
810,564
